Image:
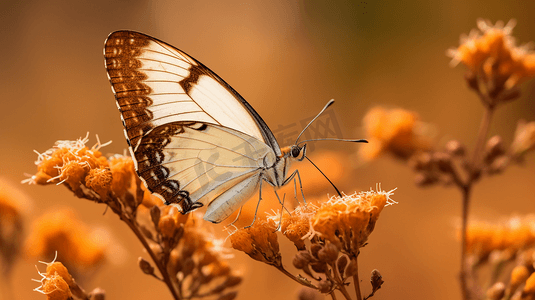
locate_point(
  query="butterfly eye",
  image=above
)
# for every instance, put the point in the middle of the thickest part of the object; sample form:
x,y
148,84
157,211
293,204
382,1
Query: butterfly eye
x,y
296,151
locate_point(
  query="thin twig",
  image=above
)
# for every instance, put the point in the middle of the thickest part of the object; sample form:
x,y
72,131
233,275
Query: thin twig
x,y
464,273
338,279
162,269
333,295
294,278
356,281
475,169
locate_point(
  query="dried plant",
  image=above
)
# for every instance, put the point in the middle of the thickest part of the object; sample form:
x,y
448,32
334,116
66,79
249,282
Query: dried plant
x,y
496,67
328,239
58,284
188,259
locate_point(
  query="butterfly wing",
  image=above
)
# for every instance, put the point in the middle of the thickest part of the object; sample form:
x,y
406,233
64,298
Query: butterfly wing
x,y
194,163
155,83
194,140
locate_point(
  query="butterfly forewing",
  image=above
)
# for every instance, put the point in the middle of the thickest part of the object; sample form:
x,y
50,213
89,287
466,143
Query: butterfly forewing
x,y
155,84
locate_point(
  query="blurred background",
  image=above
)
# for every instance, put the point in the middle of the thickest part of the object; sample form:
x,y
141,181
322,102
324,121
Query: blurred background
x,y
287,58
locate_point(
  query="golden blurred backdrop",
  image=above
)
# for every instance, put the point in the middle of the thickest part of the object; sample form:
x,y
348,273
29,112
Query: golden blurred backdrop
x,y
287,59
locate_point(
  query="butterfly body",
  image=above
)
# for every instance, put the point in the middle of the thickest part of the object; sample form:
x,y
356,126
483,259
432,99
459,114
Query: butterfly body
x,y
194,140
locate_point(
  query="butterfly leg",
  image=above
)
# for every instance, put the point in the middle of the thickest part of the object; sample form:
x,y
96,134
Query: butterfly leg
x,y
280,218
237,217
258,204
292,176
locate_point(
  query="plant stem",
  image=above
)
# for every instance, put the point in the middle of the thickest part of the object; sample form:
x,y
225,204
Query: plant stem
x,y
290,275
161,268
356,281
339,280
333,295
464,273
474,173
480,142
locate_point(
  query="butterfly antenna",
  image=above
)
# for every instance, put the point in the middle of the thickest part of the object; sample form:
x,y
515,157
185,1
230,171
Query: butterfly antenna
x,y
337,191
335,139
324,108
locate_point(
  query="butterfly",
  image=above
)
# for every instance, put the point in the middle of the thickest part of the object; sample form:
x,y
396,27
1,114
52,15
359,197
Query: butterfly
x,y
193,139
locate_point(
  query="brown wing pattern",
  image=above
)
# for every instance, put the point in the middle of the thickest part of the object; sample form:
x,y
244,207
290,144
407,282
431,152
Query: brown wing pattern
x,y
192,163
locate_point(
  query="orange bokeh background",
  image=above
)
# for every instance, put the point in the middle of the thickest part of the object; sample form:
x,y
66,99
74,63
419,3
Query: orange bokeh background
x,y
287,59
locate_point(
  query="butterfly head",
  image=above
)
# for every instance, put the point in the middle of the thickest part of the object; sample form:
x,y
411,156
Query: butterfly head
x,y
295,152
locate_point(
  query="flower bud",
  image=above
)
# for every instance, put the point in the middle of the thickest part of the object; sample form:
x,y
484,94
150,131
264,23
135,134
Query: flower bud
x,y
97,294
155,215
443,161
319,267
314,249
494,148
376,280
325,286
496,292
455,148
188,266
299,261
328,254
424,179
145,266
420,162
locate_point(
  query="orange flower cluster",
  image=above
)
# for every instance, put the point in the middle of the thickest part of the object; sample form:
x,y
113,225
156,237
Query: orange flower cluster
x,y
337,229
259,241
90,175
61,232
191,252
494,54
348,221
58,284
510,237
190,261
397,131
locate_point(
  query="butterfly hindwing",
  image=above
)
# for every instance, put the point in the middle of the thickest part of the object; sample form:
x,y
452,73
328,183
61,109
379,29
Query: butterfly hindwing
x,y
193,163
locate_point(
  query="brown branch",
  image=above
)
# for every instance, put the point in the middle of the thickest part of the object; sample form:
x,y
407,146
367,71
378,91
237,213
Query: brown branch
x,y
474,173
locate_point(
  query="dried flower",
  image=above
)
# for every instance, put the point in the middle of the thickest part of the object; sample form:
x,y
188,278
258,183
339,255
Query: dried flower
x,y
513,235
297,225
61,231
56,282
397,131
492,54
348,221
258,241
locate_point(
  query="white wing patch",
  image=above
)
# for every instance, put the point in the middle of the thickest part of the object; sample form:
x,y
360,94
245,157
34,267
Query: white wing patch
x,y
173,87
